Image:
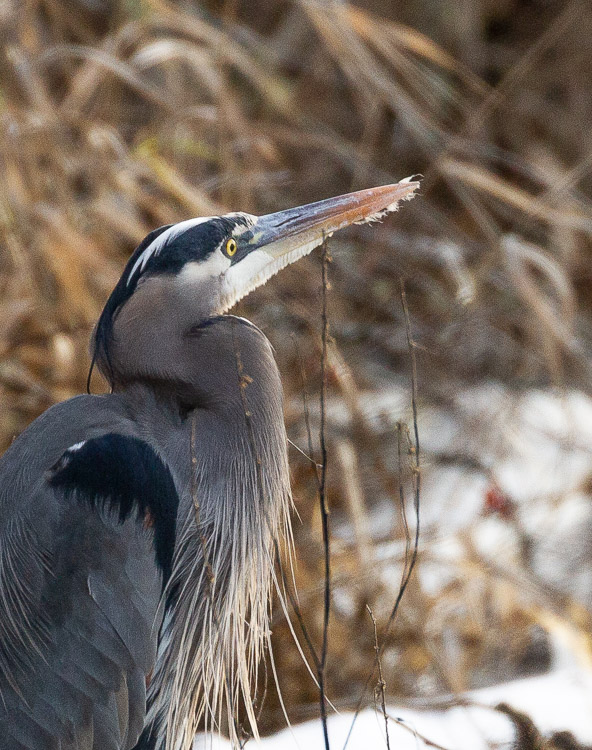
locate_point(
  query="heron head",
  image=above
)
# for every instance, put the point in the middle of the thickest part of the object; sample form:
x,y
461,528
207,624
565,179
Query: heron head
x,y
204,266
220,259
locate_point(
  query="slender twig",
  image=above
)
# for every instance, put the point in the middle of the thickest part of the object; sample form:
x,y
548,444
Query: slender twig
x,y
402,508
411,344
309,458
409,561
407,568
381,683
405,725
306,412
323,503
292,598
297,611
416,451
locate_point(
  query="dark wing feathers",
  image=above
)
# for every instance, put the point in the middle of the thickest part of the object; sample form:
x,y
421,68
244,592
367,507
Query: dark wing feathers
x,y
81,576
134,625
126,475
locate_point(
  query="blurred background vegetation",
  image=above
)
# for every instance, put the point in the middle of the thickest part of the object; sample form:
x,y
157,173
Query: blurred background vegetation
x,y
117,116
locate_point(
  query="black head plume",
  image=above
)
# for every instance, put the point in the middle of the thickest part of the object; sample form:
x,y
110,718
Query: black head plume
x,y
103,332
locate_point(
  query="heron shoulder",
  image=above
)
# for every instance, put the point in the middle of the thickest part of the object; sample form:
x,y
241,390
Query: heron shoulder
x,y
40,445
124,475
90,547
68,422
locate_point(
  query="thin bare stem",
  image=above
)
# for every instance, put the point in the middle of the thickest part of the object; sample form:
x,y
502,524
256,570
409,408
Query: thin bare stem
x,y
409,561
323,501
381,687
404,725
306,411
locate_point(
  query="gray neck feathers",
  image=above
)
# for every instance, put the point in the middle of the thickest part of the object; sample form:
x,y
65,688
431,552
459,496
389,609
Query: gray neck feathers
x,y
146,338
230,458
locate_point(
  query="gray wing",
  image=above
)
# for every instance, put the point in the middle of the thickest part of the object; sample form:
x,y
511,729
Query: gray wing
x,y
81,576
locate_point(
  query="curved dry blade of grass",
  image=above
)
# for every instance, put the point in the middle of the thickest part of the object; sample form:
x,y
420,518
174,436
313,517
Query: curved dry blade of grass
x,y
504,191
120,69
226,50
367,74
373,28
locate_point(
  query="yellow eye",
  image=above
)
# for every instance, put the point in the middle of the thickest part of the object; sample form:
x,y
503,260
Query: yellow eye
x,y
231,247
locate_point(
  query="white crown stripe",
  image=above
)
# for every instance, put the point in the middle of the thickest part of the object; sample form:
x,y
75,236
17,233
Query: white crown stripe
x,y
157,245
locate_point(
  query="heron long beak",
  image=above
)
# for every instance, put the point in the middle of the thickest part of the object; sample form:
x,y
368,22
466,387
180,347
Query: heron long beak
x,y
284,231
279,239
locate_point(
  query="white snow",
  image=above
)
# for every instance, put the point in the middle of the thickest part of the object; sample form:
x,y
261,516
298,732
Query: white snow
x,y
558,701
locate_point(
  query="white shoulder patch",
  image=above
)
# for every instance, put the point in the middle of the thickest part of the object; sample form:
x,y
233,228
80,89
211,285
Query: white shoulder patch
x,y
76,447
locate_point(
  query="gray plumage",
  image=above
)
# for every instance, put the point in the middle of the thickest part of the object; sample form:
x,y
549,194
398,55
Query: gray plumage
x,y
138,529
68,580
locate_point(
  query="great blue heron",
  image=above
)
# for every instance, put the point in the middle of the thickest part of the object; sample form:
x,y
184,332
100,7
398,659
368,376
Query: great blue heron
x,y
138,529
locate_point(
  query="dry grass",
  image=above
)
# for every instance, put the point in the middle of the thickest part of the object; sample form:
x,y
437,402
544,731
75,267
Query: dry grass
x,y
115,121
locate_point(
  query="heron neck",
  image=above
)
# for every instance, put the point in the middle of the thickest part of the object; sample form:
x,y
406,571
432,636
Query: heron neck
x,y
219,380
229,457
212,366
